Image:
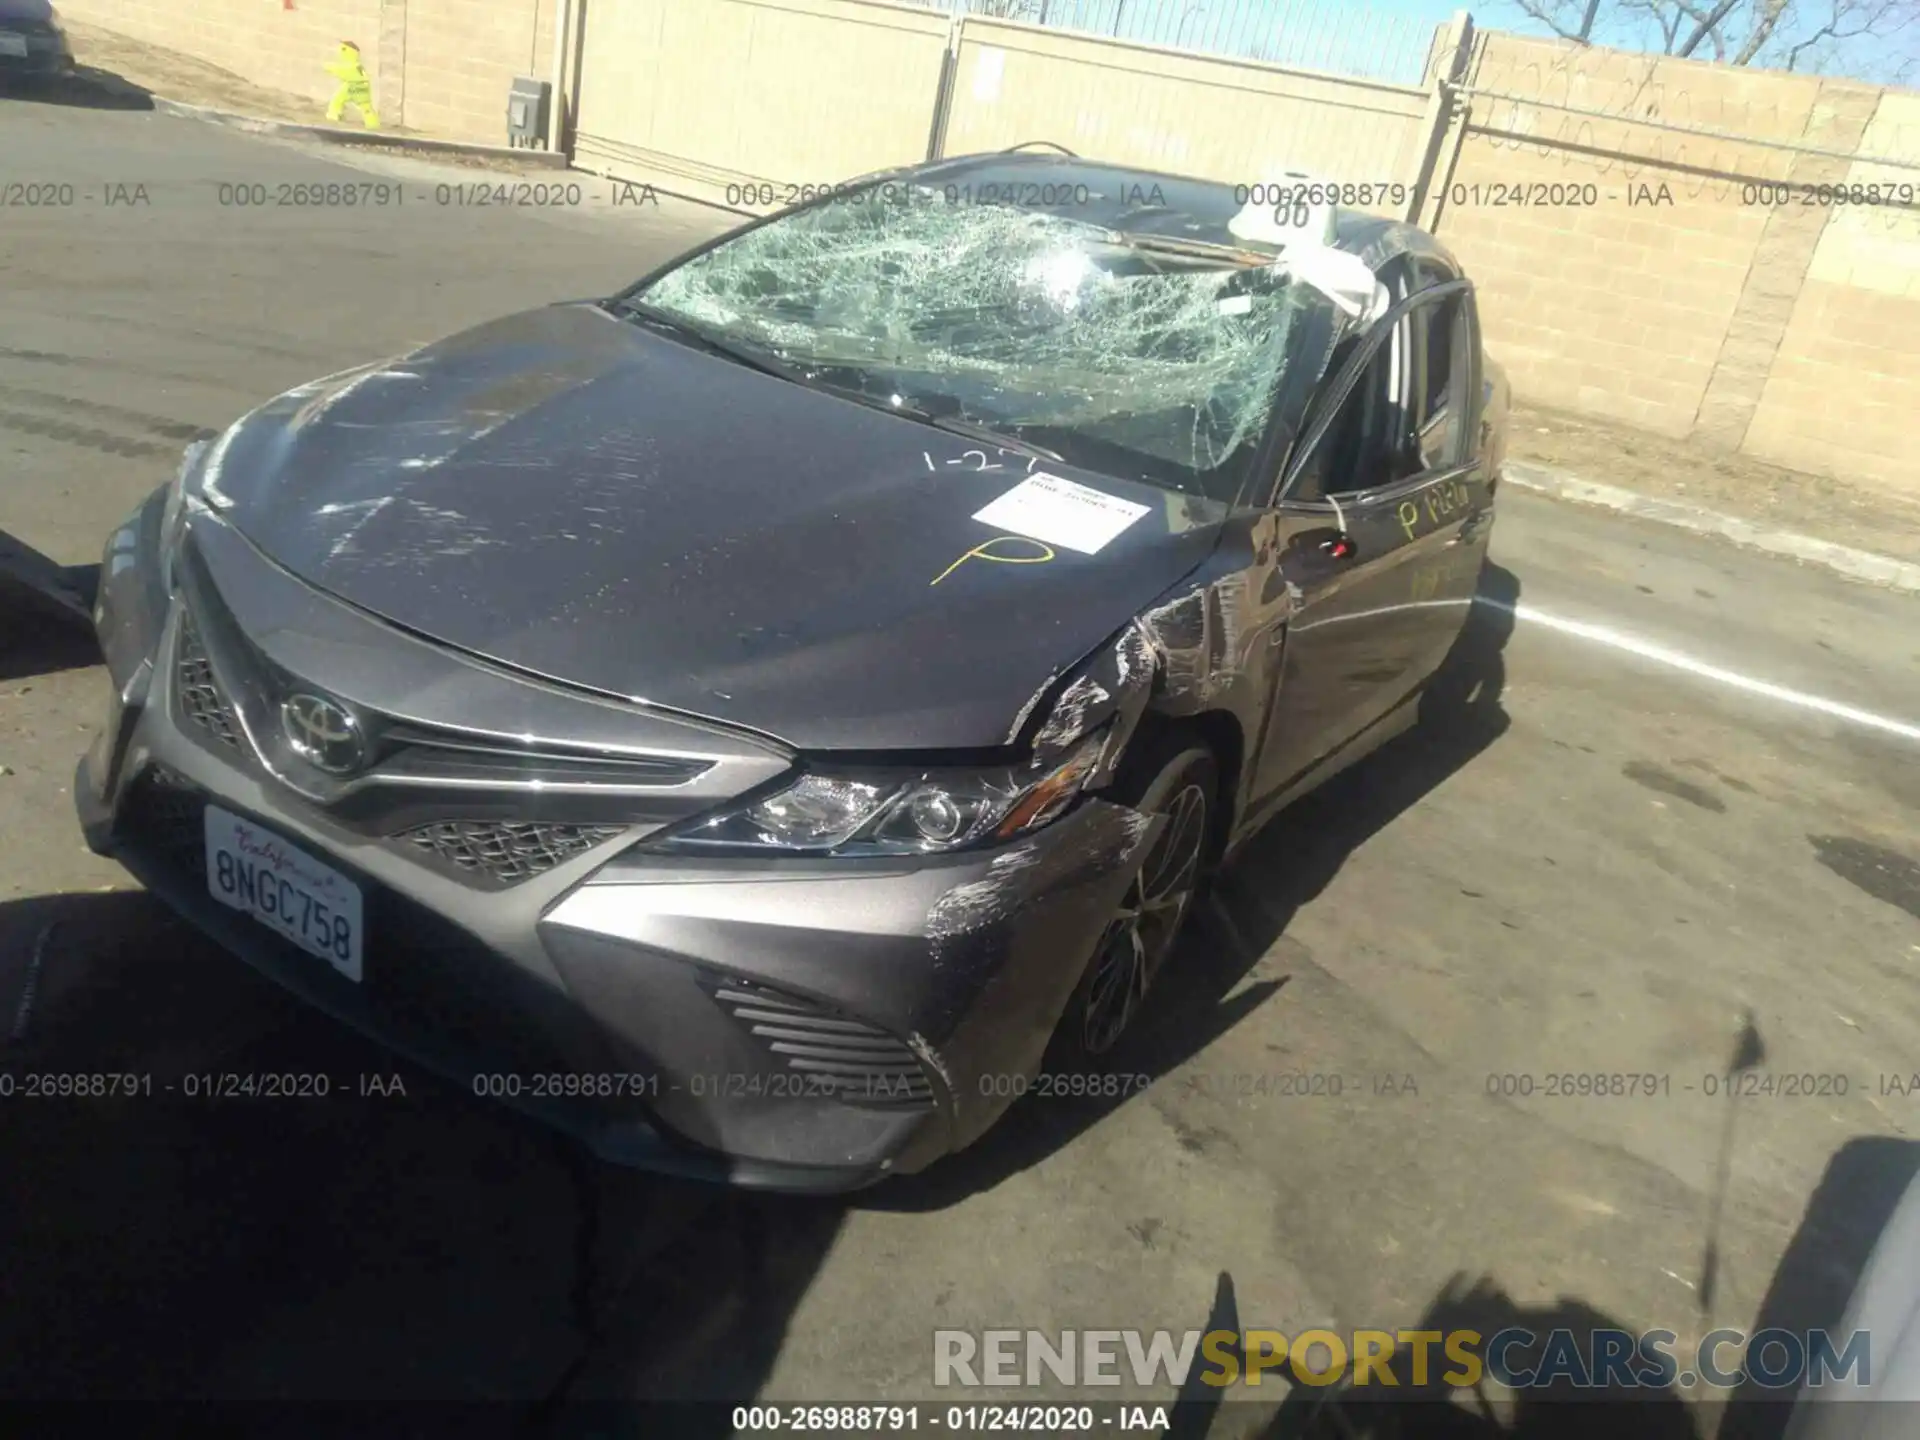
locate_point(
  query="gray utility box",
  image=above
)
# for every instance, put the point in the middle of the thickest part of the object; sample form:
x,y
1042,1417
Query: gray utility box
x,y
527,104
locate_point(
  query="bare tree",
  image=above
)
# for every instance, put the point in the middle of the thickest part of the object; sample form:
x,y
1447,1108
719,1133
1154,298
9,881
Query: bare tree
x,y
1809,35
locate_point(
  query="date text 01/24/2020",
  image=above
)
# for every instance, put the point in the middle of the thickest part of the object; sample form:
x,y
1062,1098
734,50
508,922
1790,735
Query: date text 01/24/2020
x,y
197,1085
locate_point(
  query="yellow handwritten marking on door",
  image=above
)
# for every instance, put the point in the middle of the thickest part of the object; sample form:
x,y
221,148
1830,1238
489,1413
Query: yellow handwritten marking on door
x,y
356,89
1444,499
1442,502
985,552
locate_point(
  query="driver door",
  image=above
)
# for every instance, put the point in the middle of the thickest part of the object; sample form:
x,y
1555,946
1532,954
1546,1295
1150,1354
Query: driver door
x,y
1371,513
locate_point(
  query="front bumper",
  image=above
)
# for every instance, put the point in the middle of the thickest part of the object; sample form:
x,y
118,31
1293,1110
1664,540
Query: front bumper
x,y
801,1025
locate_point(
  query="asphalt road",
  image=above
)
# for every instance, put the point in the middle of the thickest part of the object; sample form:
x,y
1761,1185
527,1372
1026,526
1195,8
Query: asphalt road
x,y
1635,862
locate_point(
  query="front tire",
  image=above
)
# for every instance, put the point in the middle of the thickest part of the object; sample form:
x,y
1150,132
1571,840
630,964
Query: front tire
x,y
1178,779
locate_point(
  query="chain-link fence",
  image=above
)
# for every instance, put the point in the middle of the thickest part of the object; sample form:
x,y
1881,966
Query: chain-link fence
x,y
1307,34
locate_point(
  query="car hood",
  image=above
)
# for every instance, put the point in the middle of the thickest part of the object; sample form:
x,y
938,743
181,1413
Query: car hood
x,y
572,495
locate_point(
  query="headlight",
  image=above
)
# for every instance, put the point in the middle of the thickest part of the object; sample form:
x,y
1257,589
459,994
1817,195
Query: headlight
x,y
904,813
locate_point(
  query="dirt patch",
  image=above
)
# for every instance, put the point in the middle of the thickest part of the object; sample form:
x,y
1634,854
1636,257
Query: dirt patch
x,y
1861,513
172,75
191,80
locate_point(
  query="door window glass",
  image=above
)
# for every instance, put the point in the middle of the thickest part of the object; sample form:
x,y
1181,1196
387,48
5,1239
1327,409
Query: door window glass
x,y
1372,441
1446,362
1400,419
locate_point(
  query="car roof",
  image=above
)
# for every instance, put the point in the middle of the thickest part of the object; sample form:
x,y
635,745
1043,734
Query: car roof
x,y
1151,202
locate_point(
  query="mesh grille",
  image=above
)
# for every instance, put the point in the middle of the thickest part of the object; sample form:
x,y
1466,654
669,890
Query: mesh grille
x,y
866,1064
200,696
503,852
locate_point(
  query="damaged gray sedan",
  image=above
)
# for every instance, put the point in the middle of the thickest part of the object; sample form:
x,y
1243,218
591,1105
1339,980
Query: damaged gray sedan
x,y
760,720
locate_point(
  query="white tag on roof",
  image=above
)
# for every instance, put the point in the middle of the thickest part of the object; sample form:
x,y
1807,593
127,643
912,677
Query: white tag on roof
x,y
1303,231
1289,214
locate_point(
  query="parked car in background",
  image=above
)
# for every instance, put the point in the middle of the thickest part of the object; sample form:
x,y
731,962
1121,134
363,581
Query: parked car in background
x,y
759,719
32,44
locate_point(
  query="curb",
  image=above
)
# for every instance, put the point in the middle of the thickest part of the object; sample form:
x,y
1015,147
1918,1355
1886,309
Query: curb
x,y
1842,559
327,134
378,139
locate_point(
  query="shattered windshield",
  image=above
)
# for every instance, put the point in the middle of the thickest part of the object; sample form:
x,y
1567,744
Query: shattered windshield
x,y
1127,354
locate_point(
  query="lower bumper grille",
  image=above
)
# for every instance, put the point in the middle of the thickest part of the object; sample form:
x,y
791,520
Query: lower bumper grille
x,y
501,853
863,1063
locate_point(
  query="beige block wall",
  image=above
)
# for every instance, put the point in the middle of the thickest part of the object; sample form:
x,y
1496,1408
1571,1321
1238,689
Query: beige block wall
x,y
259,40
1612,308
705,97
462,57
442,67
1843,394
1187,114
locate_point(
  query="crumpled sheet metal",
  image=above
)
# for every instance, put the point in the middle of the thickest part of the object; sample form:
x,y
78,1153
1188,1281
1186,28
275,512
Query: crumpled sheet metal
x,y
1029,872
1072,714
1115,685
1183,654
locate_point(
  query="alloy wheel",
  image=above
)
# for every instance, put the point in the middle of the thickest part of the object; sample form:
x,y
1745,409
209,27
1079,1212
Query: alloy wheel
x,y
1143,931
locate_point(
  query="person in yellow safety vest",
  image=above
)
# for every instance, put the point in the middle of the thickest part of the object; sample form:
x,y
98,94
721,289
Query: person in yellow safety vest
x,y
355,88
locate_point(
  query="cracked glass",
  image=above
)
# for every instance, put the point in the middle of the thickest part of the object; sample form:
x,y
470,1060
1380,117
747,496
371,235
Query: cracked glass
x,y
1136,355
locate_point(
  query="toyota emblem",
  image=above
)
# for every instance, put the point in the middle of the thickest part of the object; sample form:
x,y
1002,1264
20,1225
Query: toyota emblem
x,y
322,733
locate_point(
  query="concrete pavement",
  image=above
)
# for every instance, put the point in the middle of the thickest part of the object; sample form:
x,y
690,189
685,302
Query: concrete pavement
x,y
1626,860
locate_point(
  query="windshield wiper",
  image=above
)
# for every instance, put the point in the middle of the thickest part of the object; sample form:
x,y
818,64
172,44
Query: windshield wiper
x,y
973,430
907,409
713,344
1154,244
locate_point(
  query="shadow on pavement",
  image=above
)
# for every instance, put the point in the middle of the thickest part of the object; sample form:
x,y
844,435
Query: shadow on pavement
x,y
388,1241
1863,1184
30,646
1812,1286
86,87
1425,1407
1254,900
46,622
1435,1411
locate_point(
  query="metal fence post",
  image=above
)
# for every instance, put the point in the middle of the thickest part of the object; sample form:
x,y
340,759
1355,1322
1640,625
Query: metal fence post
x,y
557,98
1452,50
943,87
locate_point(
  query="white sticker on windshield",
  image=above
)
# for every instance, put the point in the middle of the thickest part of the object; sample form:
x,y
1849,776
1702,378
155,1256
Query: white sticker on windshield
x,y
1055,511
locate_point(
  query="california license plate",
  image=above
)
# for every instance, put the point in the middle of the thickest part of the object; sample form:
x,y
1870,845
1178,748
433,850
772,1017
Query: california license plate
x,y
285,889
15,45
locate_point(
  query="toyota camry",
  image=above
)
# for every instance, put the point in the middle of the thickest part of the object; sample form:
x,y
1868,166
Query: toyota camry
x,y
761,719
